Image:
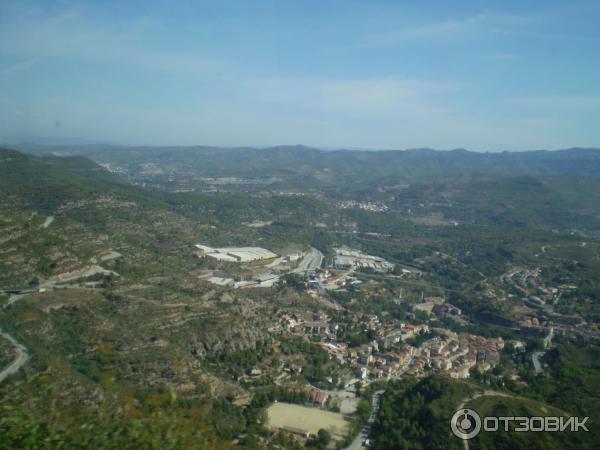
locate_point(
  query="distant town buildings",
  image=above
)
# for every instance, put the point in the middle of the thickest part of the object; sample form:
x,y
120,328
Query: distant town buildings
x,y
366,206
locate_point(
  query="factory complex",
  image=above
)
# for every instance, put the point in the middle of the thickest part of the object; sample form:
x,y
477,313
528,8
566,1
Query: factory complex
x,y
235,254
346,258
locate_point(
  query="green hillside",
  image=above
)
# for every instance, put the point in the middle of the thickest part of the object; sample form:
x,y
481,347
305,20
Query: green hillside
x,y
491,406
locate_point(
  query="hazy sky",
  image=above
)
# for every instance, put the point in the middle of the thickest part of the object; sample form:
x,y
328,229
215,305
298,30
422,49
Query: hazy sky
x,y
502,75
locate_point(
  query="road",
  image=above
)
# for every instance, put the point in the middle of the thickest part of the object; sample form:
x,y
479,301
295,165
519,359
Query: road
x,y
20,360
310,262
91,271
537,365
476,396
464,402
357,443
48,221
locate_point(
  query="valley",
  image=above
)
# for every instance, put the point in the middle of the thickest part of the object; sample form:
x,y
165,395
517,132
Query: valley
x,y
202,311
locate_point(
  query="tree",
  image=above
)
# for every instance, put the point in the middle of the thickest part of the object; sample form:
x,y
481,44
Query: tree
x,y
535,344
323,437
320,441
294,281
363,410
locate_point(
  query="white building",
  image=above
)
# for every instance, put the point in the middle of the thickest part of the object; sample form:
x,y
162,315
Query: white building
x,y
235,254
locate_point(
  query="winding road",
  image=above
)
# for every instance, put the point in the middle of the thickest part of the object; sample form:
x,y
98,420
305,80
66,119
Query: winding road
x,y
20,360
464,402
62,282
476,396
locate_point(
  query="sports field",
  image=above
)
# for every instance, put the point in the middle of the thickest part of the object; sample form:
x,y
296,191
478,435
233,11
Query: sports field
x,y
309,419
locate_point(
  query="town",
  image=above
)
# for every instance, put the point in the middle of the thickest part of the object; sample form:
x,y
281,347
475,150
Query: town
x,y
390,355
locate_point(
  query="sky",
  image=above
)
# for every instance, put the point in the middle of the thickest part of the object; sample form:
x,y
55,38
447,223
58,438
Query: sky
x,y
487,76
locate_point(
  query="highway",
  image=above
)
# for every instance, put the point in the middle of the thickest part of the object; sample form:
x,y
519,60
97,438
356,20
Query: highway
x,y
20,360
310,262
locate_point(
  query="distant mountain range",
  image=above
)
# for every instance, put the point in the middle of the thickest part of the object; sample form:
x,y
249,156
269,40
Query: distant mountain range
x,y
334,166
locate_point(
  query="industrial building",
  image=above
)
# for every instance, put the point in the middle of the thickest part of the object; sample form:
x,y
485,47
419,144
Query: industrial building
x,y
343,262
235,254
352,259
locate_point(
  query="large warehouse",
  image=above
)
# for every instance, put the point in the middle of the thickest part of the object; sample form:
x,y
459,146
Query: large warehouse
x,y
346,258
235,254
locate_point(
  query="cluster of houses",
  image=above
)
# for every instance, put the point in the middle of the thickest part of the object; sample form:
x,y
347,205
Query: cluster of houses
x,y
446,352
383,364
528,284
367,206
388,355
549,324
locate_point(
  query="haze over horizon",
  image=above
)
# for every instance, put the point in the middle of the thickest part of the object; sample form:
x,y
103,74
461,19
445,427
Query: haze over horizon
x,y
78,143
324,74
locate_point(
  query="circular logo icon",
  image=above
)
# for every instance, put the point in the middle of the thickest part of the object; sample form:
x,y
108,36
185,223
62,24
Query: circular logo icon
x,y
465,424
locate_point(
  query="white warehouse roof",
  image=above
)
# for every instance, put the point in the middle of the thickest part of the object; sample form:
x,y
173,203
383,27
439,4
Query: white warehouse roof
x,y
241,254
